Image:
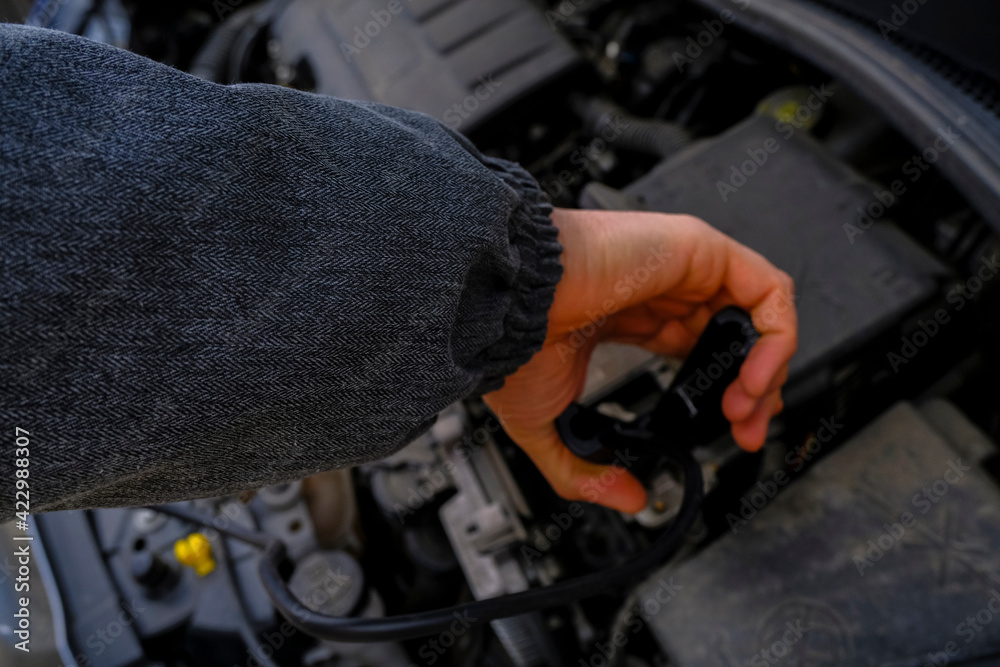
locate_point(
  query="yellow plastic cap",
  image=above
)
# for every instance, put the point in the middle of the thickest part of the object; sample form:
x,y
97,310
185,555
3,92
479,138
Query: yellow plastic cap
x,y
195,551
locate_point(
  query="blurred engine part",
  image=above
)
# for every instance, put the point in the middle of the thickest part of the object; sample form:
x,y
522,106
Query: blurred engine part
x,y
128,598
884,553
481,519
333,582
461,62
772,186
642,135
47,618
960,30
661,105
920,90
333,510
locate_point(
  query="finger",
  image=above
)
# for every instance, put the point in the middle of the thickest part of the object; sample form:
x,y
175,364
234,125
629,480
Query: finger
x,y
751,433
576,479
667,307
721,271
627,258
672,340
737,405
634,325
699,318
766,359
768,294
647,327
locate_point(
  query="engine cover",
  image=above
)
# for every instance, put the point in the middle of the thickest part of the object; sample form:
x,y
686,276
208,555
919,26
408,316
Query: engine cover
x,y
789,199
880,555
461,62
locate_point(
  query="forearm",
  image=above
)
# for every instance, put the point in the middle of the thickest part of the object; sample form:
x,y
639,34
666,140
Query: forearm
x,y
210,288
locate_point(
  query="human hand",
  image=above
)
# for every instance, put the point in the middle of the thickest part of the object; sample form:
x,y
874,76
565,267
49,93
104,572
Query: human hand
x,y
652,280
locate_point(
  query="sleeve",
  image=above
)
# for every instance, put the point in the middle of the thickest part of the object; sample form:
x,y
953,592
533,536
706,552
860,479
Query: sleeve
x,y
210,288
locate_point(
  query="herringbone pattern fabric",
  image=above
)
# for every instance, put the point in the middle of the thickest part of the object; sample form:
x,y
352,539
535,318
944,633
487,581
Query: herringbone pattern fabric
x,y
209,288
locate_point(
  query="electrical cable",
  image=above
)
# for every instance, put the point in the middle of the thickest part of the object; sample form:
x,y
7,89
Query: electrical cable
x,y
250,537
94,10
42,12
654,137
211,61
223,56
275,568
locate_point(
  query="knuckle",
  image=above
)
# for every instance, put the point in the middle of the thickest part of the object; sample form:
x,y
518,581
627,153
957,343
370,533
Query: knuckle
x,y
692,221
787,283
567,491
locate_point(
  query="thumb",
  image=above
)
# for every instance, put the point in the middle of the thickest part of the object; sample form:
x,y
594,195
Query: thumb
x,y
575,479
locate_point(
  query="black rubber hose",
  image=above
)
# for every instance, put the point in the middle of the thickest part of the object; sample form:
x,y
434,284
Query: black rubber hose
x,y
212,61
274,569
609,121
231,530
410,626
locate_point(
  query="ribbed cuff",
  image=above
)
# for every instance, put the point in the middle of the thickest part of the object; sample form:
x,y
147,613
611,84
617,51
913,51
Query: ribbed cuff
x,y
535,239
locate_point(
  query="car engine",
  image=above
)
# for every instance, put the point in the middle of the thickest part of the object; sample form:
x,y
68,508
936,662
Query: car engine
x,y
866,532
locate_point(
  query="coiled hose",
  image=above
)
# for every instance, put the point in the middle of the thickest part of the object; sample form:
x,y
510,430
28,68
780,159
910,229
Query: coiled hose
x,y
275,570
602,118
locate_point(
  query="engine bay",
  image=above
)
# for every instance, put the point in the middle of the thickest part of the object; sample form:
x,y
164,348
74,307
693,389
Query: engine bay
x,y
866,532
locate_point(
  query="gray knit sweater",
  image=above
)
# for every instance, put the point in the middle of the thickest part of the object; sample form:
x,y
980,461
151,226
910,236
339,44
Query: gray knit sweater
x,y
209,288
